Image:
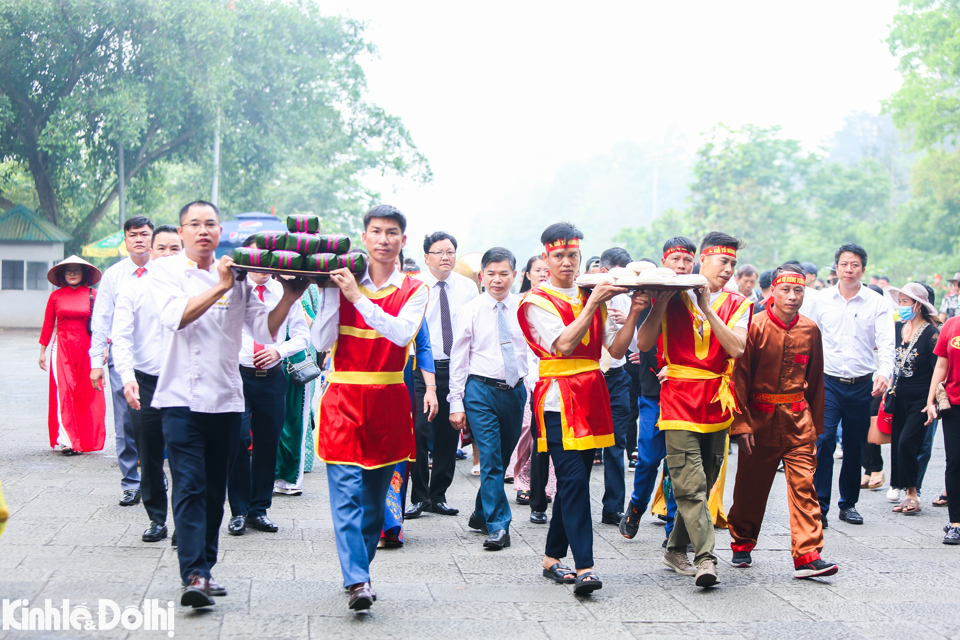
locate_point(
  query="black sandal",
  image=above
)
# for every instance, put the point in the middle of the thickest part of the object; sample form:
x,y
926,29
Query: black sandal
x,y
584,586
523,497
941,501
70,452
560,573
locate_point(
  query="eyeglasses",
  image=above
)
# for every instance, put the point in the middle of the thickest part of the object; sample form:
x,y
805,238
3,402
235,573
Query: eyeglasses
x,y
441,254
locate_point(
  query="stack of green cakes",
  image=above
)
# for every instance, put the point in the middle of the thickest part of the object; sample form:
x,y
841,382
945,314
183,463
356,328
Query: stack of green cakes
x,y
301,249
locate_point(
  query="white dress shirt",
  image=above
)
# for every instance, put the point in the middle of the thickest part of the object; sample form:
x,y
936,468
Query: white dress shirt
x,y
808,308
200,363
136,332
102,320
546,327
400,330
299,332
476,344
460,291
851,329
623,302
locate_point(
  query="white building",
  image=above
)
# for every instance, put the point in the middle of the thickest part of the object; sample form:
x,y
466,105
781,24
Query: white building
x,y
29,246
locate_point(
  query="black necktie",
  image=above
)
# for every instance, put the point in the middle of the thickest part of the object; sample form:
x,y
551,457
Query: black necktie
x,y
446,328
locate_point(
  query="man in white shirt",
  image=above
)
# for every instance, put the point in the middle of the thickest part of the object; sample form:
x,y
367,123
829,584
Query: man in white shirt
x,y
853,321
365,426
137,232
449,292
250,488
136,342
618,385
203,309
488,362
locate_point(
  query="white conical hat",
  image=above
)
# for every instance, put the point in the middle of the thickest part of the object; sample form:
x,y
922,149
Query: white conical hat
x,y
55,270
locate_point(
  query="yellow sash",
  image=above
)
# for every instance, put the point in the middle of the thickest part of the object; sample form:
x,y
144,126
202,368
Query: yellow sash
x,y
364,377
728,403
566,367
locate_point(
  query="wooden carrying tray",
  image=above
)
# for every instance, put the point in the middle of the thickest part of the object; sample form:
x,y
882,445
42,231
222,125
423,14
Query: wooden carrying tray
x,y
312,275
650,287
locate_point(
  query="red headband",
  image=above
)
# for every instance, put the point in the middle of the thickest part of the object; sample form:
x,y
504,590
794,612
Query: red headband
x,y
562,243
789,277
676,250
719,250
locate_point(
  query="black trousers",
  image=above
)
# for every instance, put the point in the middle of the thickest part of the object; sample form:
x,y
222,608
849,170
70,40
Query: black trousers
x,y
250,489
951,446
201,448
571,526
424,485
148,433
906,440
539,473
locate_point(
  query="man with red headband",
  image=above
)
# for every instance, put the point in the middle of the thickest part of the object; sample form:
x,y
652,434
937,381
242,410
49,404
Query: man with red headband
x,y
566,326
702,332
678,254
780,386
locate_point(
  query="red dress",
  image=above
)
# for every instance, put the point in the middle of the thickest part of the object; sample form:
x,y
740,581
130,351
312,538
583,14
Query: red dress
x,y
73,400
365,416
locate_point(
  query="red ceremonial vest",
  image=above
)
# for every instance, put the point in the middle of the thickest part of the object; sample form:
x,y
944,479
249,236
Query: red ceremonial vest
x,y
697,395
365,416
584,399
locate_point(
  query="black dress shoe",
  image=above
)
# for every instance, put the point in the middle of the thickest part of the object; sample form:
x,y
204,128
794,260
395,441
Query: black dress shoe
x,y
361,596
497,540
261,523
477,523
237,525
443,509
155,532
197,592
611,518
415,509
851,516
130,498
216,589
538,517
173,539
823,521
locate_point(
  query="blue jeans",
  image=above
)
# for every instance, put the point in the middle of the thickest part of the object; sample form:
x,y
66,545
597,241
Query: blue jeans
x,y
851,404
496,419
651,450
127,457
358,501
614,485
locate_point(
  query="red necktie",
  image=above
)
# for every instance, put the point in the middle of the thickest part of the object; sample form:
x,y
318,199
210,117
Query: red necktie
x,y
140,271
257,347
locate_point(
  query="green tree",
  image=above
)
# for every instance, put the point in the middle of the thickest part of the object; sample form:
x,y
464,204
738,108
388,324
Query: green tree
x,y
79,77
926,37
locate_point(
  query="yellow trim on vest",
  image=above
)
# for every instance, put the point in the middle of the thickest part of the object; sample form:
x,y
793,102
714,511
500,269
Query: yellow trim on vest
x,y
383,293
366,377
379,466
369,334
732,322
683,425
567,367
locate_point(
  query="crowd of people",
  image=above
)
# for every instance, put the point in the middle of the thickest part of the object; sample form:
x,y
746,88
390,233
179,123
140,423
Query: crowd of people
x,y
217,369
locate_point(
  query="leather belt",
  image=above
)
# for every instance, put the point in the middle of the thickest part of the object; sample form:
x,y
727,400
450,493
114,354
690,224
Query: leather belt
x,y
441,364
261,373
499,384
850,381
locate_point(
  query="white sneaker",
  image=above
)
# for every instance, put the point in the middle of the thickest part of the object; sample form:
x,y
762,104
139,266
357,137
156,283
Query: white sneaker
x,y
838,454
893,495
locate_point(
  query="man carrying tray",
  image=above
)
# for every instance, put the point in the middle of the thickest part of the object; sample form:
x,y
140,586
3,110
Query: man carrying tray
x,y
566,326
366,425
702,332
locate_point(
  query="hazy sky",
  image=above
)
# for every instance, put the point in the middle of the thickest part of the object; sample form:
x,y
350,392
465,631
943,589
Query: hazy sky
x,y
500,95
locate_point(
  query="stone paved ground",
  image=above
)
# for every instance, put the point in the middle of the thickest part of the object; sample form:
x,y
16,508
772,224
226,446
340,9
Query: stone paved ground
x,y
68,538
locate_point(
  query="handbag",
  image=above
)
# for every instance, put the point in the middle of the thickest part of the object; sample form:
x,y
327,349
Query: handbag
x,y
303,371
890,397
880,429
943,402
